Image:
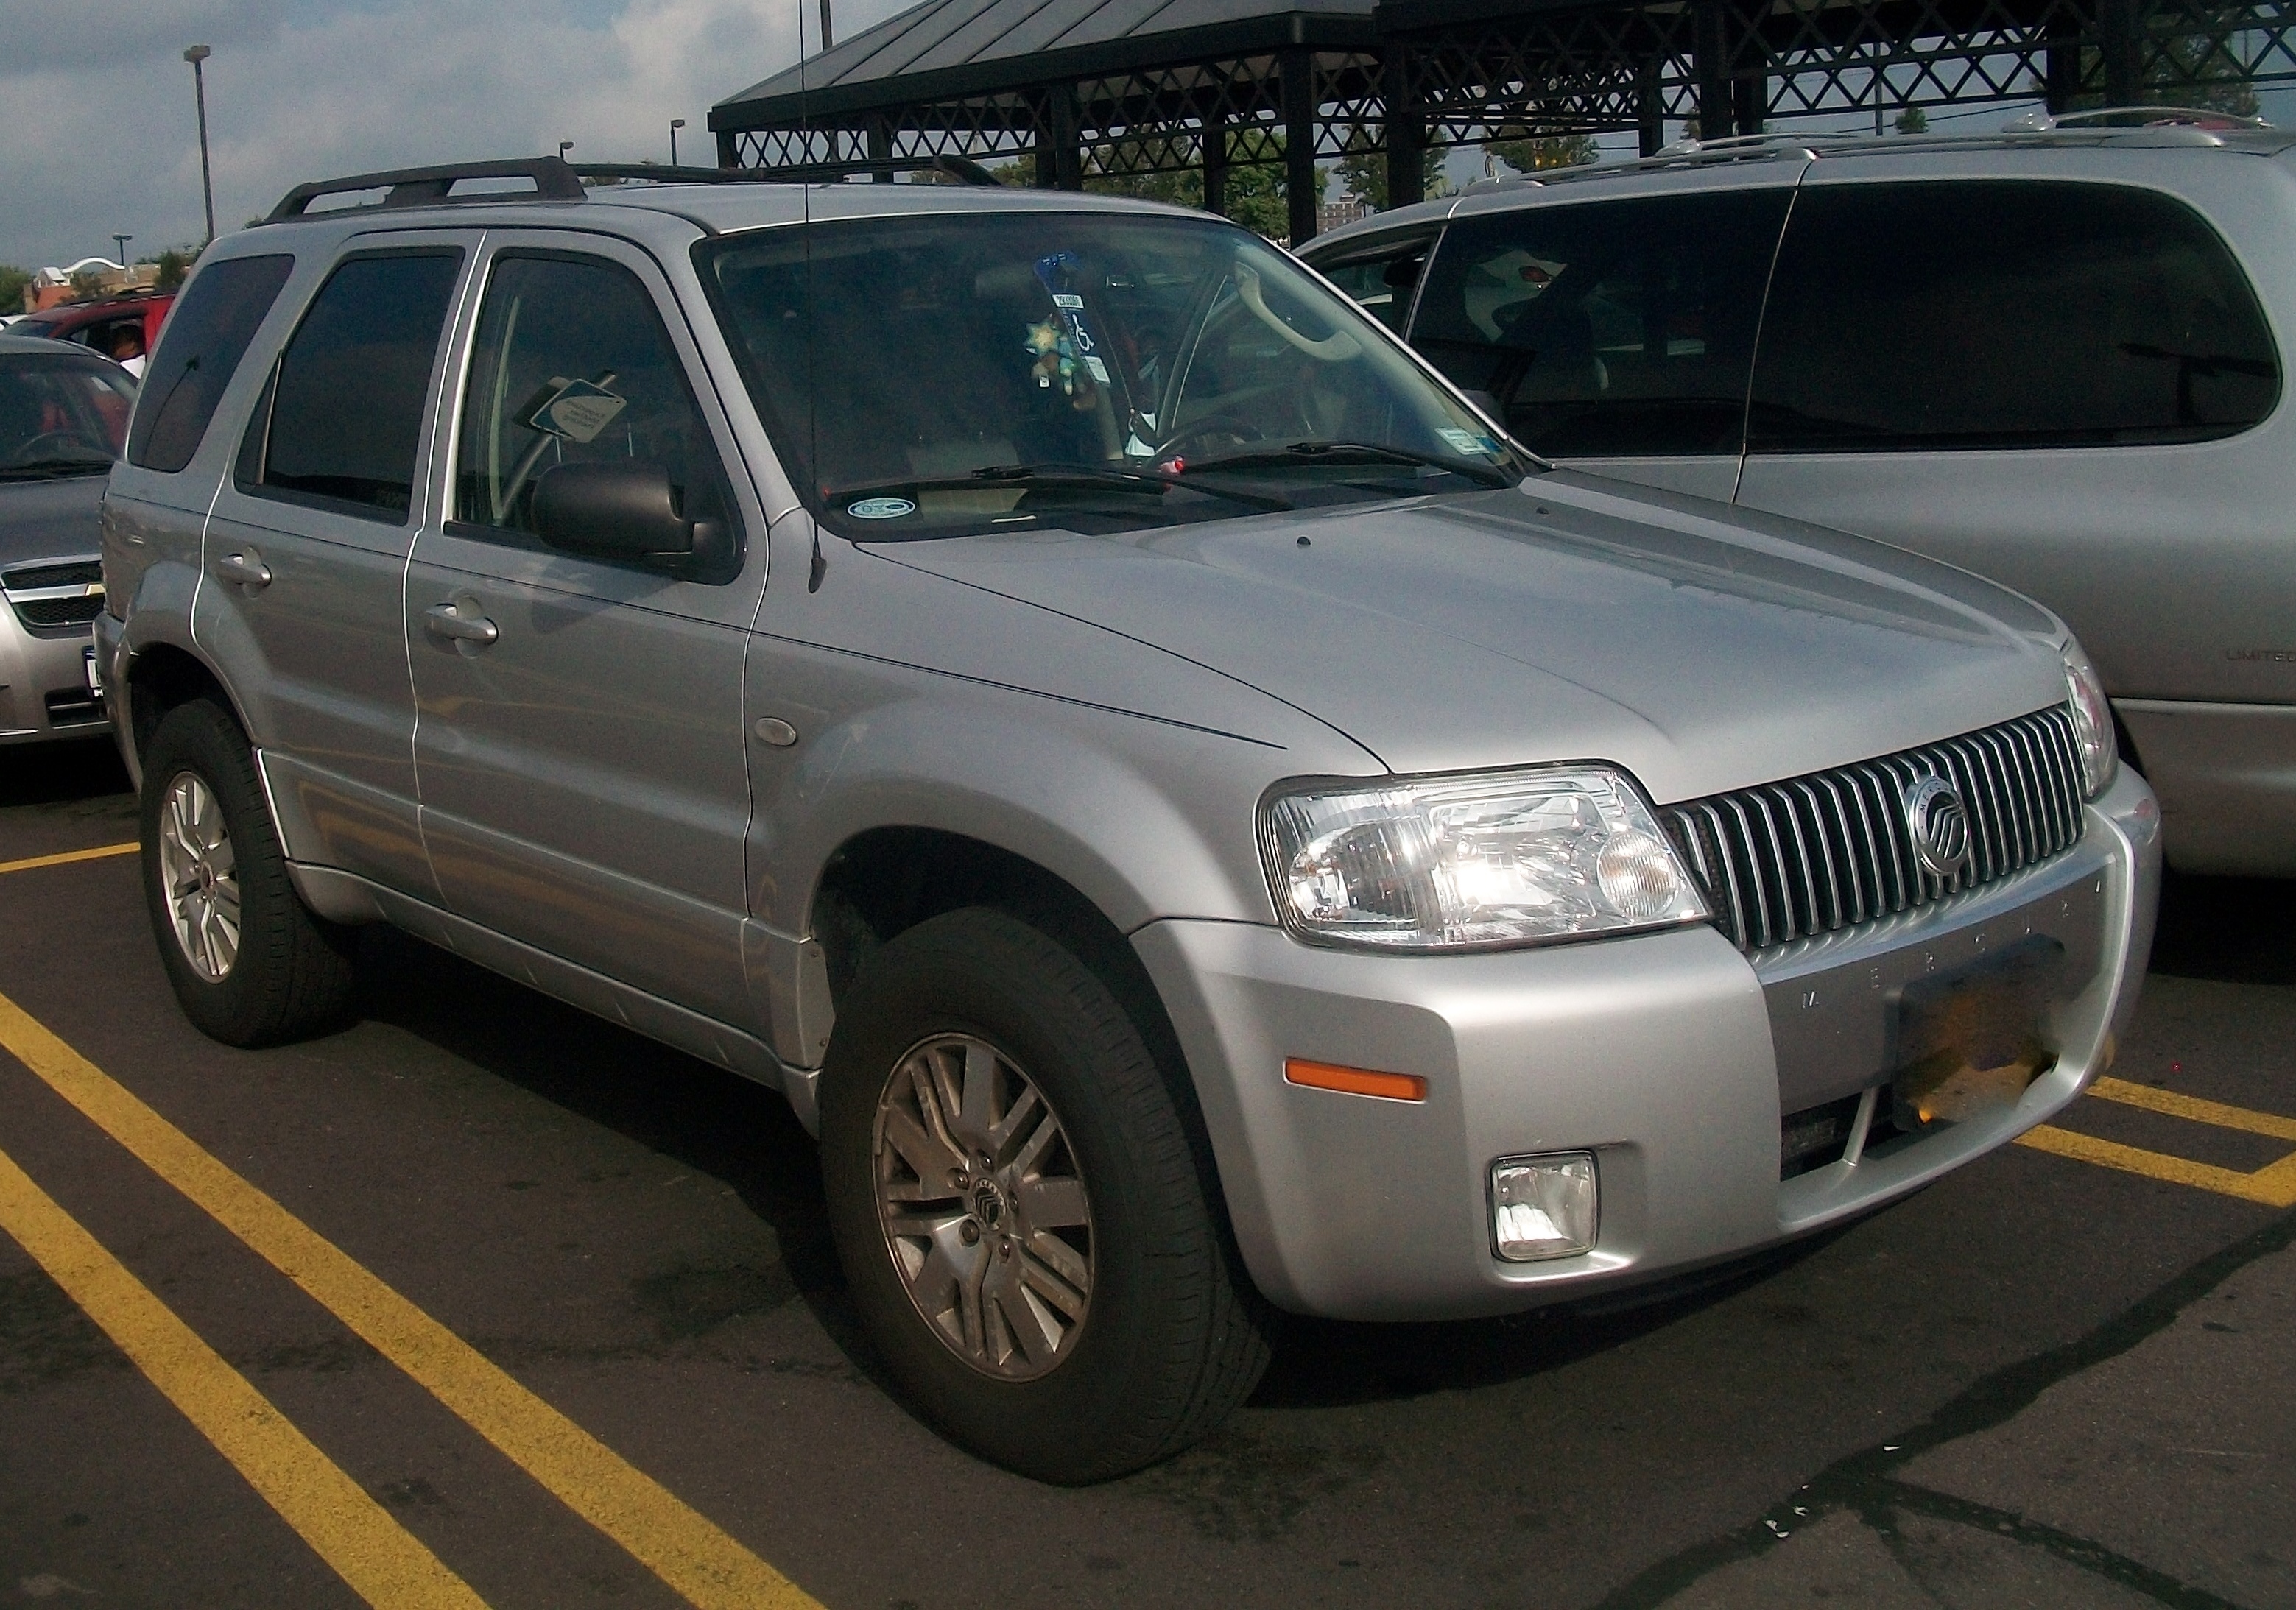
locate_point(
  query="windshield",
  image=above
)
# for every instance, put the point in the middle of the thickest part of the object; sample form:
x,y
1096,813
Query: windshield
x,y
60,415
933,376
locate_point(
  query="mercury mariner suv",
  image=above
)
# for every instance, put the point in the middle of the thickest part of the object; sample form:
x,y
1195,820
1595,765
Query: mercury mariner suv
x,y
1194,821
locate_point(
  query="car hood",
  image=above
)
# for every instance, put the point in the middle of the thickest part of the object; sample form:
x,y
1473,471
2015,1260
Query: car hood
x,y
1701,647
50,519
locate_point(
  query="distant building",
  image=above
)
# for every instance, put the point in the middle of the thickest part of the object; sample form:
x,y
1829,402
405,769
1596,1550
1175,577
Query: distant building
x,y
86,279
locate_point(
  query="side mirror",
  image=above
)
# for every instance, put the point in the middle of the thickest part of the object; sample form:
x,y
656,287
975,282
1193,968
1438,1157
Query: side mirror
x,y
612,508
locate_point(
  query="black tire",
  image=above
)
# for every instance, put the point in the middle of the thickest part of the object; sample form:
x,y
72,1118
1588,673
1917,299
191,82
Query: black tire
x,y
1170,1343
291,973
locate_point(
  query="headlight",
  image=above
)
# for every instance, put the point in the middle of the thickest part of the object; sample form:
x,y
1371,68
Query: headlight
x,y
2091,720
1461,863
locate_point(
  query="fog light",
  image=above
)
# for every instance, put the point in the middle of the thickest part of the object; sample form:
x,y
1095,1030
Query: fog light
x,y
1543,1208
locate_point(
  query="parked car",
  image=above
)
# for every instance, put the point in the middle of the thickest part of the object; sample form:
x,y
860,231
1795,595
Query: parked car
x,y
1192,819
119,327
2048,355
63,415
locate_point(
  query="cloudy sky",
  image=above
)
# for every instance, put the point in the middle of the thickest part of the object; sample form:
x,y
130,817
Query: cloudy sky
x,y
98,132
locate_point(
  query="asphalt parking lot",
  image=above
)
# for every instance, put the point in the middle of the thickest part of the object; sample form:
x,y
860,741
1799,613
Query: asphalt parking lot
x,y
484,1301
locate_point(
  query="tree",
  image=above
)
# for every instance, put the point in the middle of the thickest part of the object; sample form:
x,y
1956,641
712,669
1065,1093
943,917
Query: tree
x,y
1528,152
174,264
1363,171
1912,120
14,284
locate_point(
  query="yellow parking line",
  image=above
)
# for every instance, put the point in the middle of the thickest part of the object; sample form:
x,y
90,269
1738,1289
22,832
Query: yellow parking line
x,y
676,1543
383,1562
2273,1187
2194,1107
102,853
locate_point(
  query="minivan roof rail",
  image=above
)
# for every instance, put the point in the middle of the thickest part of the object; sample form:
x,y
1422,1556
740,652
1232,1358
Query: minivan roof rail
x,y
555,179
2131,116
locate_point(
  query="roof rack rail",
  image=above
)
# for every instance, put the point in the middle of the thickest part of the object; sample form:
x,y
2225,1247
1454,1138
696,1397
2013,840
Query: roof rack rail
x,y
2132,117
553,181
557,180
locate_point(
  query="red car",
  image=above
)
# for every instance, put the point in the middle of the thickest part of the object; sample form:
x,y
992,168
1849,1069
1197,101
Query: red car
x,y
99,325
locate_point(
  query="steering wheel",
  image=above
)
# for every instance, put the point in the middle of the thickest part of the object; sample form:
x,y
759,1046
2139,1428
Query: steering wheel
x,y
1213,434
45,445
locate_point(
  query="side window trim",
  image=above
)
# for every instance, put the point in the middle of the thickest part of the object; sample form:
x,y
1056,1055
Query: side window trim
x,y
744,507
1427,236
250,461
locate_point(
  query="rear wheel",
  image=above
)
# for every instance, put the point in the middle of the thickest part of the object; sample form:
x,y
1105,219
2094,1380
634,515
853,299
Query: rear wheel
x,y
250,964
1019,1210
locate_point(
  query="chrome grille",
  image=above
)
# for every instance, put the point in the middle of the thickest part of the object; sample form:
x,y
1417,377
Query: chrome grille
x,y
1828,851
66,594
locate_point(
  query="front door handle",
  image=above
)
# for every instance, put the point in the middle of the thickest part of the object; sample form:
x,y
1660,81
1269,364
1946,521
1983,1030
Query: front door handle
x,y
246,568
444,620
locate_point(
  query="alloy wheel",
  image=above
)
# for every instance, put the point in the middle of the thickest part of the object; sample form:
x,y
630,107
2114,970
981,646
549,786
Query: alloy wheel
x,y
985,1213
201,876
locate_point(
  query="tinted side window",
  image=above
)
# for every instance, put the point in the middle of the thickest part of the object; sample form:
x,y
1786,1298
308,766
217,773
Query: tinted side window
x,y
346,404
2011,313
207,334
1607,328
572,365
1380,278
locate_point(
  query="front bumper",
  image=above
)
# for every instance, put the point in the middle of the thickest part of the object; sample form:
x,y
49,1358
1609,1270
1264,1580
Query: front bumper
x,y
44,691
1664,1055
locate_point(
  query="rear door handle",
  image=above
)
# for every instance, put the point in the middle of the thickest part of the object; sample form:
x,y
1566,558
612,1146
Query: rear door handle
x,y
246,568
444,620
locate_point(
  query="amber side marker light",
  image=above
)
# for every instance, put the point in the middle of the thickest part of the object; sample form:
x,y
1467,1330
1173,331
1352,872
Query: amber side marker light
x,y
1354,1081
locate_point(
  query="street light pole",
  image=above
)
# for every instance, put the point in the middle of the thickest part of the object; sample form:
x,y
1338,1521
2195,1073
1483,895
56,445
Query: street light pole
x,y
826,41
675,124
121,242
563,147
197,55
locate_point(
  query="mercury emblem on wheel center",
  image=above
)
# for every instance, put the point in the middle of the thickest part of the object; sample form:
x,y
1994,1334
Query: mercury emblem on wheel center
x,y
1940,824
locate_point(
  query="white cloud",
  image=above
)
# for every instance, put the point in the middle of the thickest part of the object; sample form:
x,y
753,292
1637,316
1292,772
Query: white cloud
x,y
96,114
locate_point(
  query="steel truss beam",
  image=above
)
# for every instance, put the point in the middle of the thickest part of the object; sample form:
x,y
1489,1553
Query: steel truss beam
x,y
1569,68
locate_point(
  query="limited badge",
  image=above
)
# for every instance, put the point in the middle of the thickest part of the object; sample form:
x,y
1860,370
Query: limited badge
x,y
880,508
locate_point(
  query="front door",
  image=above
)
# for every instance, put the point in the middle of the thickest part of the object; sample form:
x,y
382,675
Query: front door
x,y
580,738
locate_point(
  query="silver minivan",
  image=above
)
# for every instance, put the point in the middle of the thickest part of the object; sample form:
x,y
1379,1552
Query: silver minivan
x,y
2052,354
1194,821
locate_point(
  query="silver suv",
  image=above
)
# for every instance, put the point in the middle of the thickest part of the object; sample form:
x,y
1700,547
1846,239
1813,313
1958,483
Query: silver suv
x,y
1194,821
2052,354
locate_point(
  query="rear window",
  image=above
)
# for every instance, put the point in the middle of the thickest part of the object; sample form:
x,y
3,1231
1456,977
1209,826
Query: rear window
x,y
2010,314
206,336
343,415
1607,329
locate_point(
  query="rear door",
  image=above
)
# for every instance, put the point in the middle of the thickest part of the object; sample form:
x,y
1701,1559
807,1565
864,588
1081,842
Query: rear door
x,y
2067,384
306,548
1614,334
581,750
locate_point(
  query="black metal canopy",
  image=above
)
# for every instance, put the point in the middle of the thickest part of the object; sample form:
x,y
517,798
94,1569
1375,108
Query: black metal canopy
x,y
1110,91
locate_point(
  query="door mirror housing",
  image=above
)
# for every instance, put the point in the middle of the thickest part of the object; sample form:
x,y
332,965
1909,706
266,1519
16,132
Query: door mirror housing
x,y
612,508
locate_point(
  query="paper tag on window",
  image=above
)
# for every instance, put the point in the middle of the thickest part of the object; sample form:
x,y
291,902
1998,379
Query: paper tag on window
x,y
1467,441
578,411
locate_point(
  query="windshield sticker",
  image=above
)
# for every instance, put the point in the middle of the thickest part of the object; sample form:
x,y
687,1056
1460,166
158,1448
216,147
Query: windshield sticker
x,y
880,508
578,411
1467,441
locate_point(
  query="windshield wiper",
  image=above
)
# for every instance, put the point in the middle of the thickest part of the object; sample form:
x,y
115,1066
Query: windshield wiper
x,y
43,469
1294,454
1036,478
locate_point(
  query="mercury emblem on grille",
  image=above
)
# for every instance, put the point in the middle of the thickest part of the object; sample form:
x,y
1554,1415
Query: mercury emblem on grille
x,y
1940,823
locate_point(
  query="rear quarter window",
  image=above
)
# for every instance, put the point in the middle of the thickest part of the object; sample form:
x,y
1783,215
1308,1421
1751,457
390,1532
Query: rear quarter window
x,y
2005,313
200,350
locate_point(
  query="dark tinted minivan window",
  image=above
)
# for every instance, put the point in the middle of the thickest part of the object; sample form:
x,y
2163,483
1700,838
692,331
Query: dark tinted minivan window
x,y
207,334
345,408
2004,314
1607,328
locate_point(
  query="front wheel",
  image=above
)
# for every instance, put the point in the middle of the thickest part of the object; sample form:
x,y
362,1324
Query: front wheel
x,y
250,964
1019,1210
